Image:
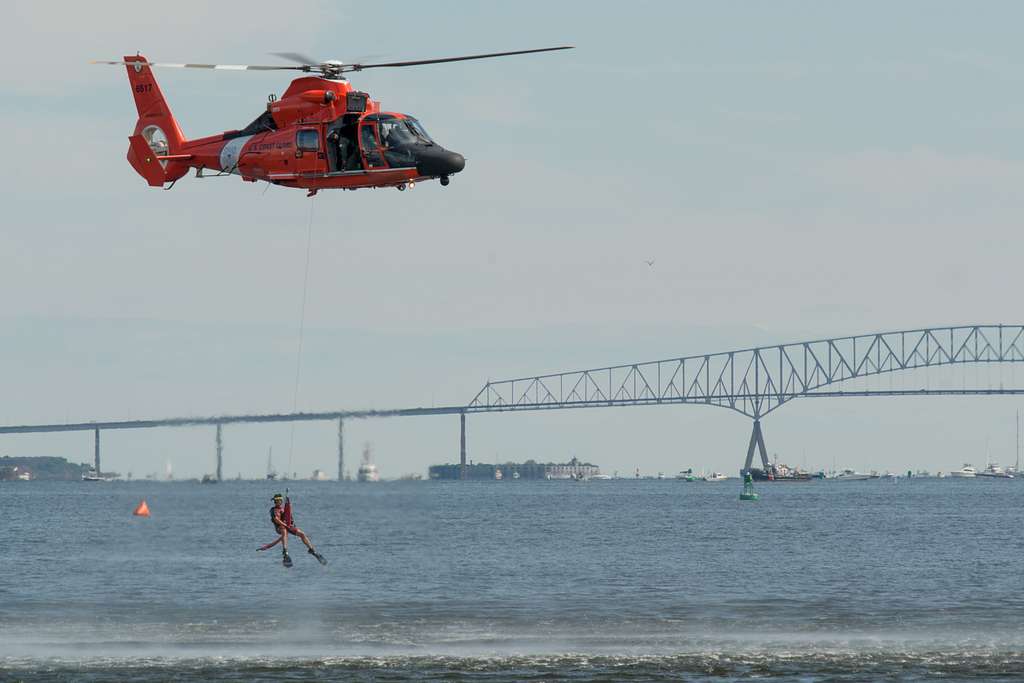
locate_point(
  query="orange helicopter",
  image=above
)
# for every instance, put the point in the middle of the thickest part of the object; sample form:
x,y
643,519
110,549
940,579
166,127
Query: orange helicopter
x,y
321,134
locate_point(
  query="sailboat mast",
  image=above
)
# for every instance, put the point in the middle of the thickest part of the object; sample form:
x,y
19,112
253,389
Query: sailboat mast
x,y
1018,441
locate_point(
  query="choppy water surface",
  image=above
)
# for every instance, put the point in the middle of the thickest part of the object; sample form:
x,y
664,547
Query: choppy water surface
x,y
619,580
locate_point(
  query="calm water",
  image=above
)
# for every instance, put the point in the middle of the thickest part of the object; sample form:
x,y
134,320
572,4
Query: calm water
x,y
620,580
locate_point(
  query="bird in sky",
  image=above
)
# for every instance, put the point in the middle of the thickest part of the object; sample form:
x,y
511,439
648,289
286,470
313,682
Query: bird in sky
x,y
649,263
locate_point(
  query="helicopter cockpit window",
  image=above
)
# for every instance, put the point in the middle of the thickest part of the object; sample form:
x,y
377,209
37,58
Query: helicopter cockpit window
x,y
395,134
308,140
419,130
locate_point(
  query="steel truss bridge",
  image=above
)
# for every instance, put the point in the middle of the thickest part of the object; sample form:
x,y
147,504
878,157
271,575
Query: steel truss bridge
x,y
760,380
754,382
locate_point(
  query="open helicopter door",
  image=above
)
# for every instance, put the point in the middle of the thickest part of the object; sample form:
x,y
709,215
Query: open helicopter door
x,y
368,143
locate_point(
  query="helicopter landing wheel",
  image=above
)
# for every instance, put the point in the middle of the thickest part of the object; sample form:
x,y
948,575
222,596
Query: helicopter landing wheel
x,y
401,187
445,180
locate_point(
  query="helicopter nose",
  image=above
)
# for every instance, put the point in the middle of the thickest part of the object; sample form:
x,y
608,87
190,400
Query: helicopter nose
x,y
434,161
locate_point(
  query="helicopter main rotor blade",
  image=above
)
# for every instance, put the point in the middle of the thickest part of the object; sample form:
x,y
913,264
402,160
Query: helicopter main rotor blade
x,y
298,58
224,67
360,67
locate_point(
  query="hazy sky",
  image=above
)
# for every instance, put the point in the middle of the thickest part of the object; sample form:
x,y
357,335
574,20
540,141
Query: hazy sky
x,y
795,170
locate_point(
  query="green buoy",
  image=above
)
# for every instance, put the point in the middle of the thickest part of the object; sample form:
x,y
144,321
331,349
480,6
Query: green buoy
x,y
748,488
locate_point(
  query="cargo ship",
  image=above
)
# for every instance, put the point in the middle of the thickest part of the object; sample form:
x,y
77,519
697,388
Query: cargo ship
x,y
780,472
575,469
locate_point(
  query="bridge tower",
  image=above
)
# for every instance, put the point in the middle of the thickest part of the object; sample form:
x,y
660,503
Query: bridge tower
x,y
462,445
220,449
756,441
341,449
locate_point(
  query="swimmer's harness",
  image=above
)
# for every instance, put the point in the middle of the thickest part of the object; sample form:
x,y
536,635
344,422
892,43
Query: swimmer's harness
x,y
286,514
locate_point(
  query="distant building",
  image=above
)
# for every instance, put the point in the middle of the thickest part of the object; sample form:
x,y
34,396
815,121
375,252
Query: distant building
x,y
511,471
574,469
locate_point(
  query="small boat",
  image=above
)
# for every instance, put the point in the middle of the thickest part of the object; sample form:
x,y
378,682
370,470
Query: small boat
x,y
715,476
271,472
965,472
995,471
601,477
851,475
498,476
93,475
687,475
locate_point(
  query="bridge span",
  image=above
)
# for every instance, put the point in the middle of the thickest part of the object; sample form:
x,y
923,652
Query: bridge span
x,y
753,382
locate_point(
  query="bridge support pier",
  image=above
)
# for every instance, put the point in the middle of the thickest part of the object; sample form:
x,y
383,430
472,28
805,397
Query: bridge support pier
x,y
462,445
341,449
96,451
220,460
756,441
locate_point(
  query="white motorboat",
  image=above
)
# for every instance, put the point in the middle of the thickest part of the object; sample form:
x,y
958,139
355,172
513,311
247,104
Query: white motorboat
x,y
601,477
965,472
715,476
367,470
995,471
93,475
851,475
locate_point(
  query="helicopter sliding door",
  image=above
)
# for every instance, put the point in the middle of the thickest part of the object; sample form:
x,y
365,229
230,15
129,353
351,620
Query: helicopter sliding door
x,y
309,151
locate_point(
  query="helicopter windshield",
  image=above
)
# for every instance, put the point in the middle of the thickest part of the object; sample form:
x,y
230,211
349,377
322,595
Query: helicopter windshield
x,y
401,133
395,134
419,130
